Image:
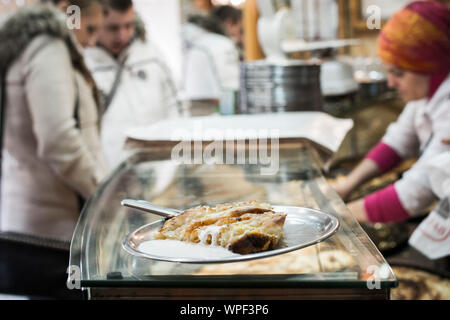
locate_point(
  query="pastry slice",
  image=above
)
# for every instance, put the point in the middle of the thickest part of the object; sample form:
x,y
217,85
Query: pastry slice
x,y
243,228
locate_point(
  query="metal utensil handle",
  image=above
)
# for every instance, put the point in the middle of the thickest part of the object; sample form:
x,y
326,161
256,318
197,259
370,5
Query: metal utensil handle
x,y
150,207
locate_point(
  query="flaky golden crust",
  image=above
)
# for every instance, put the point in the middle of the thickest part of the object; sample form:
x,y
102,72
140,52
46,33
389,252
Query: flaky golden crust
x,y
245,227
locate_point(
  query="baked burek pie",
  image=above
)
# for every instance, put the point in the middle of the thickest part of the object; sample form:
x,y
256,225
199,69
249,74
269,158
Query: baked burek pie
x,y
244,227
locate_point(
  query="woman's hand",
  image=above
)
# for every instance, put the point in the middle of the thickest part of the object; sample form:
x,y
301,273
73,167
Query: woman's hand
x,y
446,141
343,188
358,210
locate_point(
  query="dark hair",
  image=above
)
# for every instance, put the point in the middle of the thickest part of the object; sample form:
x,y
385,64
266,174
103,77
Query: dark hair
x,y
225,13
78,61
119,5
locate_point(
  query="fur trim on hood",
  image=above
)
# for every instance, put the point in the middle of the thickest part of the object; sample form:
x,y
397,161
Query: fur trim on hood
x,y
18,31
22,27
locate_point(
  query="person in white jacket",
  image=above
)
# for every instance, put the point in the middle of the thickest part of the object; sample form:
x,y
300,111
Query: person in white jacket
x,y
136,83
414,46
51,155
210,59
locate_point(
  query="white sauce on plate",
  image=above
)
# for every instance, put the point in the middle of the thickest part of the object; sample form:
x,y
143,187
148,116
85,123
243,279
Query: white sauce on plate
x,y
213,231
184,250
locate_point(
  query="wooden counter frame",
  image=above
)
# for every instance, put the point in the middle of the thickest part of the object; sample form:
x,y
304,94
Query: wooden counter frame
x,y
238,294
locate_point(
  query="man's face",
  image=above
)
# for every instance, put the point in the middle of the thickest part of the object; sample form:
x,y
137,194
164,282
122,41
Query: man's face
x,y
118,30
410,85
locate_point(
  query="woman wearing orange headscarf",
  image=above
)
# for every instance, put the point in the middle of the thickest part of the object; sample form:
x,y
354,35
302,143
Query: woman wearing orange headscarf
x,y
415,48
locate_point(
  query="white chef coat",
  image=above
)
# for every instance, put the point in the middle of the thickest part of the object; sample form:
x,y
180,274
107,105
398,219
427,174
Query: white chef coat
x,y
145,94
211,64
419,131
432,236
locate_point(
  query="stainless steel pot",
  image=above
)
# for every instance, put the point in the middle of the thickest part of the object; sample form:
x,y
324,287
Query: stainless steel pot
x,y
269,87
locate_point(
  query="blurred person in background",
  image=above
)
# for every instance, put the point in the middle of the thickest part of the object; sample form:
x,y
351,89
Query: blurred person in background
x,y
414,46
210,61
431,236
132,74
231,18
52,160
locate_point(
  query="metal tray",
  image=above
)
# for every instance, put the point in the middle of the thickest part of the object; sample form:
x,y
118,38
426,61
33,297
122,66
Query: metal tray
x,y
303,227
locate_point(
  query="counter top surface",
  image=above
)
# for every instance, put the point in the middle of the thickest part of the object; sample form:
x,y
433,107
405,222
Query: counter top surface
x,y
348,259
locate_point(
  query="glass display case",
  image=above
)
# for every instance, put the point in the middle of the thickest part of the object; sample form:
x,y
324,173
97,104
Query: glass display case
x,y
346,265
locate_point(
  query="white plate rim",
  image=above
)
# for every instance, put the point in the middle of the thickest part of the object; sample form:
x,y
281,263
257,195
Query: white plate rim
x,y
335,224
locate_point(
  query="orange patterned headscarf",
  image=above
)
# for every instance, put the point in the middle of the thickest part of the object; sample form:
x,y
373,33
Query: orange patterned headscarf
x,y
417,38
